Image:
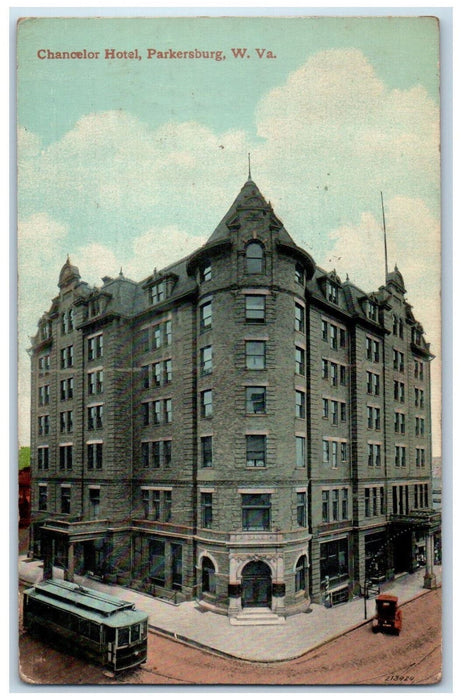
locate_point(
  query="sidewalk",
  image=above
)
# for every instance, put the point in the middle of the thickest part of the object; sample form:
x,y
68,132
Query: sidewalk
x,y
299,634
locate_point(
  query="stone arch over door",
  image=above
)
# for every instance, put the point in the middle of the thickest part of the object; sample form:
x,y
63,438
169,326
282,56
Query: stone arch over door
x,y
256,582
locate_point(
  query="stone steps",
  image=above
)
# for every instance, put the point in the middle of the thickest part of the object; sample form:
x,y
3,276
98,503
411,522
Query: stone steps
x,y
256,616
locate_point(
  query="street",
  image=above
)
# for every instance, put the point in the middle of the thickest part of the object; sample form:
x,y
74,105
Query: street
x,y
358,657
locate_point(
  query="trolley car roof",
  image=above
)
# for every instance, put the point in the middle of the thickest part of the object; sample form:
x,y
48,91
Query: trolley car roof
x,y
92,605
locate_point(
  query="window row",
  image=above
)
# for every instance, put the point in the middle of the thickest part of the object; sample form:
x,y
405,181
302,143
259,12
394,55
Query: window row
x,y
94,500
401,498
156,454
333,334
334,505
156,374
334,372
157,336
256,451
334,452
65,456
374,501
157,412
157,504
337,411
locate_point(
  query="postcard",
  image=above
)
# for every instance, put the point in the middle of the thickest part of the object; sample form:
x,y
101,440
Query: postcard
x,y
229,350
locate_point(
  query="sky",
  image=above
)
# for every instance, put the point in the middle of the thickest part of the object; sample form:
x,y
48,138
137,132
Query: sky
x,y
127,163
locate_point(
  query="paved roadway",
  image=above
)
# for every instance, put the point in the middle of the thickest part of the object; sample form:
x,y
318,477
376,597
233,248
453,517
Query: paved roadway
x,y
358,657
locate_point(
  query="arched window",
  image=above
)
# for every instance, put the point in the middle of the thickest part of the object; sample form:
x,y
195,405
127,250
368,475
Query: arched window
x,y
208,576
255,258
300,574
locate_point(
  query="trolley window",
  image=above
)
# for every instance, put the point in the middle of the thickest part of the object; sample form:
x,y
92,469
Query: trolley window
x,y
123,636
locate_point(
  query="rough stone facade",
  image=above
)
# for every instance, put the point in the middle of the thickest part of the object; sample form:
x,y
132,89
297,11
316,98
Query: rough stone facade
x,y
241,428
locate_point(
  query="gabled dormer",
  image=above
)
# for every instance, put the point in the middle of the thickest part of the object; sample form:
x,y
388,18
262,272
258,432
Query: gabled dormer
x,y
159,287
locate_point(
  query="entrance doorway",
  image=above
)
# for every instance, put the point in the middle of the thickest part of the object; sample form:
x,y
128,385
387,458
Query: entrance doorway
x,y
256,585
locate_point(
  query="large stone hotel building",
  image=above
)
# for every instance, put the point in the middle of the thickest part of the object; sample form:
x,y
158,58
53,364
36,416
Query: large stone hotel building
x,y
241,428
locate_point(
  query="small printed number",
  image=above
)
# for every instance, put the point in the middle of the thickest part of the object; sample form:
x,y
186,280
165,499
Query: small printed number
x,y
402,679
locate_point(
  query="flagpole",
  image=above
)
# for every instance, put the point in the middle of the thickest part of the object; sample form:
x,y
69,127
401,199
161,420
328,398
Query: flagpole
x,y
384,239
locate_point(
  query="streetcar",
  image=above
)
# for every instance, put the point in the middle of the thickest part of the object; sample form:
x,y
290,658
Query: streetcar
x,y
103,629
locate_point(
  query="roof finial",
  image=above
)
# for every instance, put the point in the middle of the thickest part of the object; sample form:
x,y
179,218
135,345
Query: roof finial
x,y
250,174
121,274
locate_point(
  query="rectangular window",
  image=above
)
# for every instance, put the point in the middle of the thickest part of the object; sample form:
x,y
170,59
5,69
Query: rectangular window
x,y
255,308
374,502
333,374
325,451
334,412
156,454
255,399
167,506
167,453
156,505
65,500
299,404
168,410
325,408
157,412
206,404
44,395
300,444
95,417
299,318
95,347
256,450
94,497
299,274
67,389
367,503
206,451
334,447
157,292
299,361
167,371
43,498
332,292
325,506
95,455
344,504
325,369
255,354
324,330
400,456
333,337
67,357
301,509
65,456
373,383
145,412
206,360
44,425
400,422
44,363
95,382
343,451
42,457
206,510
205,316
256,511
343,375
335,504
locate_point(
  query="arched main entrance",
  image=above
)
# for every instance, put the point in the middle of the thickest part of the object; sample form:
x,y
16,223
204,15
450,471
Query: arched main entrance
x,y
256,585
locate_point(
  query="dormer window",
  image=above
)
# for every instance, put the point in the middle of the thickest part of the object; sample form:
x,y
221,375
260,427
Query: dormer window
x,y
416,336
94,308
255,258
299,274
158,292
206,272
45,330
372,312
332,292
